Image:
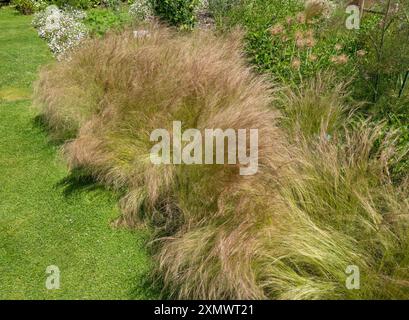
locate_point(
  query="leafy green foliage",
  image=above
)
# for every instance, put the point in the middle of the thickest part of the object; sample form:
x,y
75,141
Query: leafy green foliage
x,y
374,57
288,42
4,2
100,20
179,13
218,8
113,4
27,7
385,39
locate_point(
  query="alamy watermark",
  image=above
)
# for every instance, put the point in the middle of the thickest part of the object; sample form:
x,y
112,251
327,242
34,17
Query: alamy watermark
x,y
354,19
53,279
353,281
191,147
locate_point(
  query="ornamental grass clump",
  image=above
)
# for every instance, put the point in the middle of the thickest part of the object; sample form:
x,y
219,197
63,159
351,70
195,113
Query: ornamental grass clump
x,y
315,207
315,106
114,92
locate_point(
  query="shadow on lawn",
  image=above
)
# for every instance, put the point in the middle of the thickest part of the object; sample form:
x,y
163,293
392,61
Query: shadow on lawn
x,y
40,123
143,287
147,287
76,182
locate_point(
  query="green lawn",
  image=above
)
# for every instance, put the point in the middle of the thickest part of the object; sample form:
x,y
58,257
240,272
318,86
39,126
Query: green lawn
x,y
42,220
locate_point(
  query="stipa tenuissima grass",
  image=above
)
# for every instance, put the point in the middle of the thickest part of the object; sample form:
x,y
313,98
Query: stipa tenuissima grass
x,y
288,232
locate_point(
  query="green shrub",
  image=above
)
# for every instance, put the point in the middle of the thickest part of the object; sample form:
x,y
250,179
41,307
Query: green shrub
x,y
4,2
181,13
25,6
29,6
385,40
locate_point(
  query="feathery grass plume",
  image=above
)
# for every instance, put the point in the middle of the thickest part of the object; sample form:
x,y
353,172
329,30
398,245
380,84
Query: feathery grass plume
x,y
144,84
287,232
316,104
351,214
316,8
335,208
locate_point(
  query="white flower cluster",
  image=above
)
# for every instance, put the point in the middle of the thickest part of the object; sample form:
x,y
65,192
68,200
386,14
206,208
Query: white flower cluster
x,y
141,10
62,29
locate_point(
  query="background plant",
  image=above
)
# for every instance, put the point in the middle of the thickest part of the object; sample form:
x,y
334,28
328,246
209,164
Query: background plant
x,y
113,4
385,39
384,70
100,20
141,9
219,8
79,4
29,6
291,40
181,13
62,29
4,2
